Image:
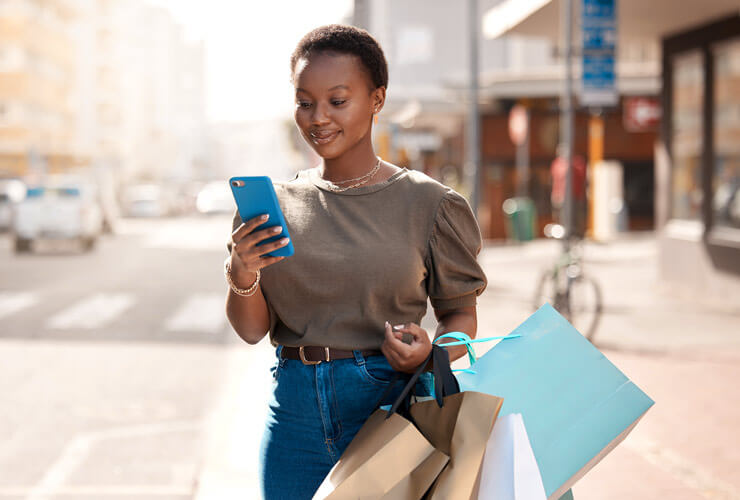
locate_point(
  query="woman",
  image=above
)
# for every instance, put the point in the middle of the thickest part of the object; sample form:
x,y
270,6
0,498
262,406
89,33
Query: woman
x,y
372,242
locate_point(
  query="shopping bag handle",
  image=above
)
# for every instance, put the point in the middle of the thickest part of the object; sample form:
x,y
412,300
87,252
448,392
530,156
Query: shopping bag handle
x,y
463,338
445,383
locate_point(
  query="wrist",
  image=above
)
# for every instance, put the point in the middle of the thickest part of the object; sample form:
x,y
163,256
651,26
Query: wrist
x,y
243,278
234,281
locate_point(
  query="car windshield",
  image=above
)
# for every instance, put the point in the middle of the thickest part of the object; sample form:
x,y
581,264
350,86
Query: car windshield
x,y
61,192
68,192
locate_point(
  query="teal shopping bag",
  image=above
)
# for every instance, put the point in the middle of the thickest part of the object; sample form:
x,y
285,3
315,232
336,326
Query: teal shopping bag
x,y
576,405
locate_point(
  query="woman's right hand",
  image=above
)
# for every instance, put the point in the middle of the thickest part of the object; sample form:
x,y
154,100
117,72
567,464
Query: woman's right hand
x,y
246,256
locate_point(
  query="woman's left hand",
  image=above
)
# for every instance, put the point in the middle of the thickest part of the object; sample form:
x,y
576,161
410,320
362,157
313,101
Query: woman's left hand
x,y
405,357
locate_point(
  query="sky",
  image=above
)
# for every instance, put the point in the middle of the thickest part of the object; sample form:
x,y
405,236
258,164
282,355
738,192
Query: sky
x,y
248,45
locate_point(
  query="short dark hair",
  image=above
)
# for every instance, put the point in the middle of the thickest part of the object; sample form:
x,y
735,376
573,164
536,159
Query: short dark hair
x,y
345,39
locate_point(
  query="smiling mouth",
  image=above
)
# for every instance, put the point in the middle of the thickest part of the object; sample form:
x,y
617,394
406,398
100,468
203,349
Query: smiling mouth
x,y
323,137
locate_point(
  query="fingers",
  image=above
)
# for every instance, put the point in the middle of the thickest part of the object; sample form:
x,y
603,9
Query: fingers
x,y
394,349
405,357
247,245
393,339
254,258
249,248
247,227
263,250
392,357
255,238
412,329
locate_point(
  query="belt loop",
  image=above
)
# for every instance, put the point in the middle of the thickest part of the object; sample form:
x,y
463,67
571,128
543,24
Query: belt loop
x,y
359,358
279,353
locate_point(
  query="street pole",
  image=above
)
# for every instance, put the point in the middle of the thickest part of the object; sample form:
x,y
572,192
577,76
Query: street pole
x,y
472,167
522,161
595,157
566,120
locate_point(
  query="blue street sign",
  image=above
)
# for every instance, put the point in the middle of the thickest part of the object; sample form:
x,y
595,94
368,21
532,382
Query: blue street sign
x,y
599,35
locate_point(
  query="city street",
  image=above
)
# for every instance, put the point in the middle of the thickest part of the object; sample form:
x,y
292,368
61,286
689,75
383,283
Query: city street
x,y
127,127
121,378
112,361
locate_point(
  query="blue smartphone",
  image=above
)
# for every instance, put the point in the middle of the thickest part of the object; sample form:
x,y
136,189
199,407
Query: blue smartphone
x,y
255,196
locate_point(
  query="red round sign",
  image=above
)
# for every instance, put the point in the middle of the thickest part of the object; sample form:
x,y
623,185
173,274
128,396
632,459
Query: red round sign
x,y
518,124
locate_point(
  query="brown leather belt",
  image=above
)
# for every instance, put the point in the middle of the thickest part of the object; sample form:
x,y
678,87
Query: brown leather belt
x,y
313,355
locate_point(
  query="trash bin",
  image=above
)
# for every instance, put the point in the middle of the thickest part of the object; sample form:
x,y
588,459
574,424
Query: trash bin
x,y
520,218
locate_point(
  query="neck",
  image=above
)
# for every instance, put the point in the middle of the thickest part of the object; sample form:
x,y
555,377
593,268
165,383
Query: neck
x,y
351,164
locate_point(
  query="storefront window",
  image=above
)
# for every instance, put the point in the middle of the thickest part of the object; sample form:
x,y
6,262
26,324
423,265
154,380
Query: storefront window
x,y
686,135
726,178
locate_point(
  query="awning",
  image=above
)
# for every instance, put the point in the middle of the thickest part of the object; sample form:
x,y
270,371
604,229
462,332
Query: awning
x,y
636,19
641,79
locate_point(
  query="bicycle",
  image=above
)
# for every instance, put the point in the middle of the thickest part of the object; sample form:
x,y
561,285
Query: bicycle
x,y
572,293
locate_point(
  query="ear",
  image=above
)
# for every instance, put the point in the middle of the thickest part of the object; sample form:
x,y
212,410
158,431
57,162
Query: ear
x,y
378,99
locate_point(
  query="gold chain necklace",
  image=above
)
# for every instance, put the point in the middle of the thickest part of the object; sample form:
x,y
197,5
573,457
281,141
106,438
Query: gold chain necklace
x,y
363,179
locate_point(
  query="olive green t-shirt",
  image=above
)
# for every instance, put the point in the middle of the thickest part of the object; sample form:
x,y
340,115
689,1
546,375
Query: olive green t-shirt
x,y
369,255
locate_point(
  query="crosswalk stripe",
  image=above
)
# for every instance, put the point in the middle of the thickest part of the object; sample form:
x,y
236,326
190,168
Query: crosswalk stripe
x,y
203,312
12,302
92,312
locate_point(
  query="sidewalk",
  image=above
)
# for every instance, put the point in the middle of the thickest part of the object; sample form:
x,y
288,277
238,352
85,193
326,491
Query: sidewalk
x,y
640,313
685,355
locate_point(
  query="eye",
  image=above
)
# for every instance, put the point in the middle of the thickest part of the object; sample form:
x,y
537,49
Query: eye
x,y
303,104
338,102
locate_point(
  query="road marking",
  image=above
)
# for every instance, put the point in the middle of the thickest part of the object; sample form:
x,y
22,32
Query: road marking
x,y
689,473
202,312
92,312
12,302
78,449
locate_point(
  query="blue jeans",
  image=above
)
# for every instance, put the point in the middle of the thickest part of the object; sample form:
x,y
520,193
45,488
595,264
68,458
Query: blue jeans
x,y
315,412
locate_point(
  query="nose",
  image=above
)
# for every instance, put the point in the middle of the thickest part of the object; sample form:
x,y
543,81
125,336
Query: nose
x,y
320,115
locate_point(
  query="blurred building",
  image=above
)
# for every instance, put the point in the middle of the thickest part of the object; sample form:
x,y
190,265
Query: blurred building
x,y
697,152
37,65
423,124
163,95
99,36
109,87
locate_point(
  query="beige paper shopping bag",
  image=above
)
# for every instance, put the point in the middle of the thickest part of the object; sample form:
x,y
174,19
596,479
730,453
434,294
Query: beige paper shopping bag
x,y
459,429
388,459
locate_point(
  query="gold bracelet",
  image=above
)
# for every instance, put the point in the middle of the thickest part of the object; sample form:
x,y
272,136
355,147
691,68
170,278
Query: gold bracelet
x,y
244,292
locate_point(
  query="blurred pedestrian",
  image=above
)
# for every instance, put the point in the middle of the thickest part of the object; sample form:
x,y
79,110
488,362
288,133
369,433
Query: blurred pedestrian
x,y
373,242
558,171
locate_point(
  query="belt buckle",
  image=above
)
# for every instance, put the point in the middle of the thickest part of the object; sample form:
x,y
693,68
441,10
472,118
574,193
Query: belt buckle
x,y
307,362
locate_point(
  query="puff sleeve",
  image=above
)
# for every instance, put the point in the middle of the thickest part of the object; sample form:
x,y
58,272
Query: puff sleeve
x,y
454,277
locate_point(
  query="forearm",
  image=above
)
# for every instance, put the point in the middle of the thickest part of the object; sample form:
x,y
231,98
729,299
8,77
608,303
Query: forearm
x,y
459,320
249,316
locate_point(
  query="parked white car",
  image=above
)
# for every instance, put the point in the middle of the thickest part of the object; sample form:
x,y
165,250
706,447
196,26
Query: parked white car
x,y
215,198
68,211
145,200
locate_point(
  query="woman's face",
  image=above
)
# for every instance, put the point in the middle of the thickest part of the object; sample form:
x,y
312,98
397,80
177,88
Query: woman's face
x,y
334,102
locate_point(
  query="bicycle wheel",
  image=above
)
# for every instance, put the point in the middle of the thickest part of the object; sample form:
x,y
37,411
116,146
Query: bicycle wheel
x,y
545,291
585,305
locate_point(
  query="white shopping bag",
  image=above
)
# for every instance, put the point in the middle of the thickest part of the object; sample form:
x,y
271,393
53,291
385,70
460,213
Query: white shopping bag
x,y
509,470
